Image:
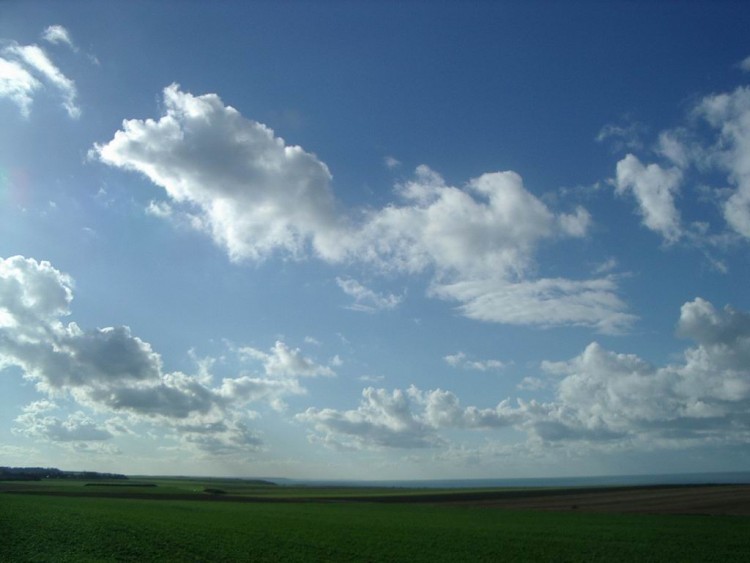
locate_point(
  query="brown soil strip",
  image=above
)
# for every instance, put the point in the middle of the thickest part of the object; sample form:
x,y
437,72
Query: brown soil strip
x,y
706,499
677,499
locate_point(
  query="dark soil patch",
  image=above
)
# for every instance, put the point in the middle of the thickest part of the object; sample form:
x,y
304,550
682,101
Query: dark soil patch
x,y
699,499
120,485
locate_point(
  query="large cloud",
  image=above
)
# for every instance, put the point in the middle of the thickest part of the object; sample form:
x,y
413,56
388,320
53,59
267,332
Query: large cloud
x,y
382,419
401,419
706,397
489,228
602,399
253,193
256,196
730,114
37,423
109,370
480,243
716,137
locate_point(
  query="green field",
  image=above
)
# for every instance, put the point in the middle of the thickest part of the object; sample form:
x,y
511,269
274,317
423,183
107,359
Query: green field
x,y
48,525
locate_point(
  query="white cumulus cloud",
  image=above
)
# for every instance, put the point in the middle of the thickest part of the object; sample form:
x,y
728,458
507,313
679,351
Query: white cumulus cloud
x,y
489,228
110,370
253,193
402,419
702,399
729,114
77,427
57,34
601,399
283,361
382,419
715,138
257,196
654,189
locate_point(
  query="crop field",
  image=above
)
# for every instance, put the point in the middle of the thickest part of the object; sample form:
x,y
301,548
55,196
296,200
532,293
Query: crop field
x,y
233,520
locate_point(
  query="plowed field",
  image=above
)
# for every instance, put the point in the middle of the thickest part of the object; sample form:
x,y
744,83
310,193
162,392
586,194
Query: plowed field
x,y
712,500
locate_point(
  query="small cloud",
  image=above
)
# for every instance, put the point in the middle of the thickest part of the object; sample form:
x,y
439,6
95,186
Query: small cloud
x,y
279,405
745,64
606,267
655,189
455,359
89,232
459,360
391,163
159,209
344,340
365,299
626,136
283,361
531,384
371,378
117,426
57,34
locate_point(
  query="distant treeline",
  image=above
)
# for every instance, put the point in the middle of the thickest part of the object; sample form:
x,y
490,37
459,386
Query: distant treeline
x,y
39,473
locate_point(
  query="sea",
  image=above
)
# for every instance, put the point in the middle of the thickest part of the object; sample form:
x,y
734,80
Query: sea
x,y
726,478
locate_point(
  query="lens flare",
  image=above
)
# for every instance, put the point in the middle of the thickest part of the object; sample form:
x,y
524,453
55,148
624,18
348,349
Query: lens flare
x,y
14,186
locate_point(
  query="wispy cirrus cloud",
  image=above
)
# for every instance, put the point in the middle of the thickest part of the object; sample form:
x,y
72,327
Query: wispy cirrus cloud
x,y
544,303
26,70
18,84
365,299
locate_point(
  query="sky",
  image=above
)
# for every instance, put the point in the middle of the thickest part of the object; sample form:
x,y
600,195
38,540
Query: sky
x,y
375,240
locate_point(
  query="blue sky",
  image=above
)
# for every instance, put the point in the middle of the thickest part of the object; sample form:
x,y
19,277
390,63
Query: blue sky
x,y
375,240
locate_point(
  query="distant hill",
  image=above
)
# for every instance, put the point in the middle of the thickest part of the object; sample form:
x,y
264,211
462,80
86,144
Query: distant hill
x,y
39,473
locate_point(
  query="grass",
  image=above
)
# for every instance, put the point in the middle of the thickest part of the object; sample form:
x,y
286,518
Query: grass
x,y
39,527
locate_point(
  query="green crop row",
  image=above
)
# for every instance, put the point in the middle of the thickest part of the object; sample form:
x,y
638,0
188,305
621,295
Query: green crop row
x,y
53,528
